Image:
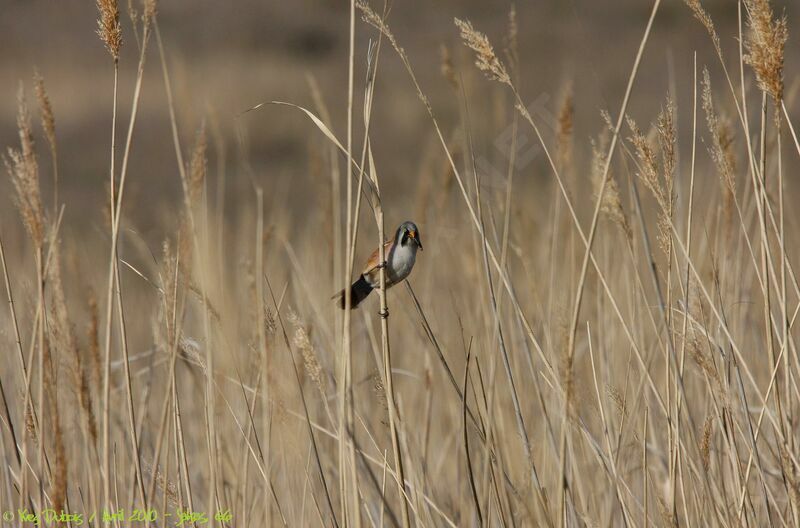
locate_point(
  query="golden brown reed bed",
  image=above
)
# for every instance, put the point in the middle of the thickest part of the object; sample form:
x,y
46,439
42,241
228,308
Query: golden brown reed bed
x,y
600,331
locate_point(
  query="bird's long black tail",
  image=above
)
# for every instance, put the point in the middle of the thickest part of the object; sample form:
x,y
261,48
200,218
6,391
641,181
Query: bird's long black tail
x,y
358,292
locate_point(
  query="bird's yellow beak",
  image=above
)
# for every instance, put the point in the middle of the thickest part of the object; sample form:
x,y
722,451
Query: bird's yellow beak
x,y
413,234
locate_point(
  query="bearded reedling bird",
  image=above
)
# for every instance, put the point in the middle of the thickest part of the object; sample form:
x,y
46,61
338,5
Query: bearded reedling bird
x,y
400,253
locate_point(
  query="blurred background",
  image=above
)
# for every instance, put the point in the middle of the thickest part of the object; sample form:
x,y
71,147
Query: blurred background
x,y
225,57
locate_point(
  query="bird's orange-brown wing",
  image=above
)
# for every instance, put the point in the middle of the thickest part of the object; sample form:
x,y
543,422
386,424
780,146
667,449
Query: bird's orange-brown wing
x,y
373,261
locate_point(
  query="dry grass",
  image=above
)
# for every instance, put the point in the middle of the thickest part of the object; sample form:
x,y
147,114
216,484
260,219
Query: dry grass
x,y
599,337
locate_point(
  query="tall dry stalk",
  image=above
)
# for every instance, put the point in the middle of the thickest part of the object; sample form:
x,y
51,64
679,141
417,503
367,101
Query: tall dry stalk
x,y
110,33
348,475
23,169
49,128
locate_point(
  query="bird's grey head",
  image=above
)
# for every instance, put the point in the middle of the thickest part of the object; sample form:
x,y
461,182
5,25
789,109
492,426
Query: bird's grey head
x,y
408,233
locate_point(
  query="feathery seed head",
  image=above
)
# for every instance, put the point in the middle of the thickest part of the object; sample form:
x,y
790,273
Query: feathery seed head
x,y
701,15
721,138
48,119
765,42
23,169
133,14
611,204
648,164
197,166
150,9
667,139
705,442
660,186
302,341
108,26
485,58
372,18
565,129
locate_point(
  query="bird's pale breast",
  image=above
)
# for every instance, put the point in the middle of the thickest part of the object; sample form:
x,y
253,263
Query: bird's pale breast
x,y
401,261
